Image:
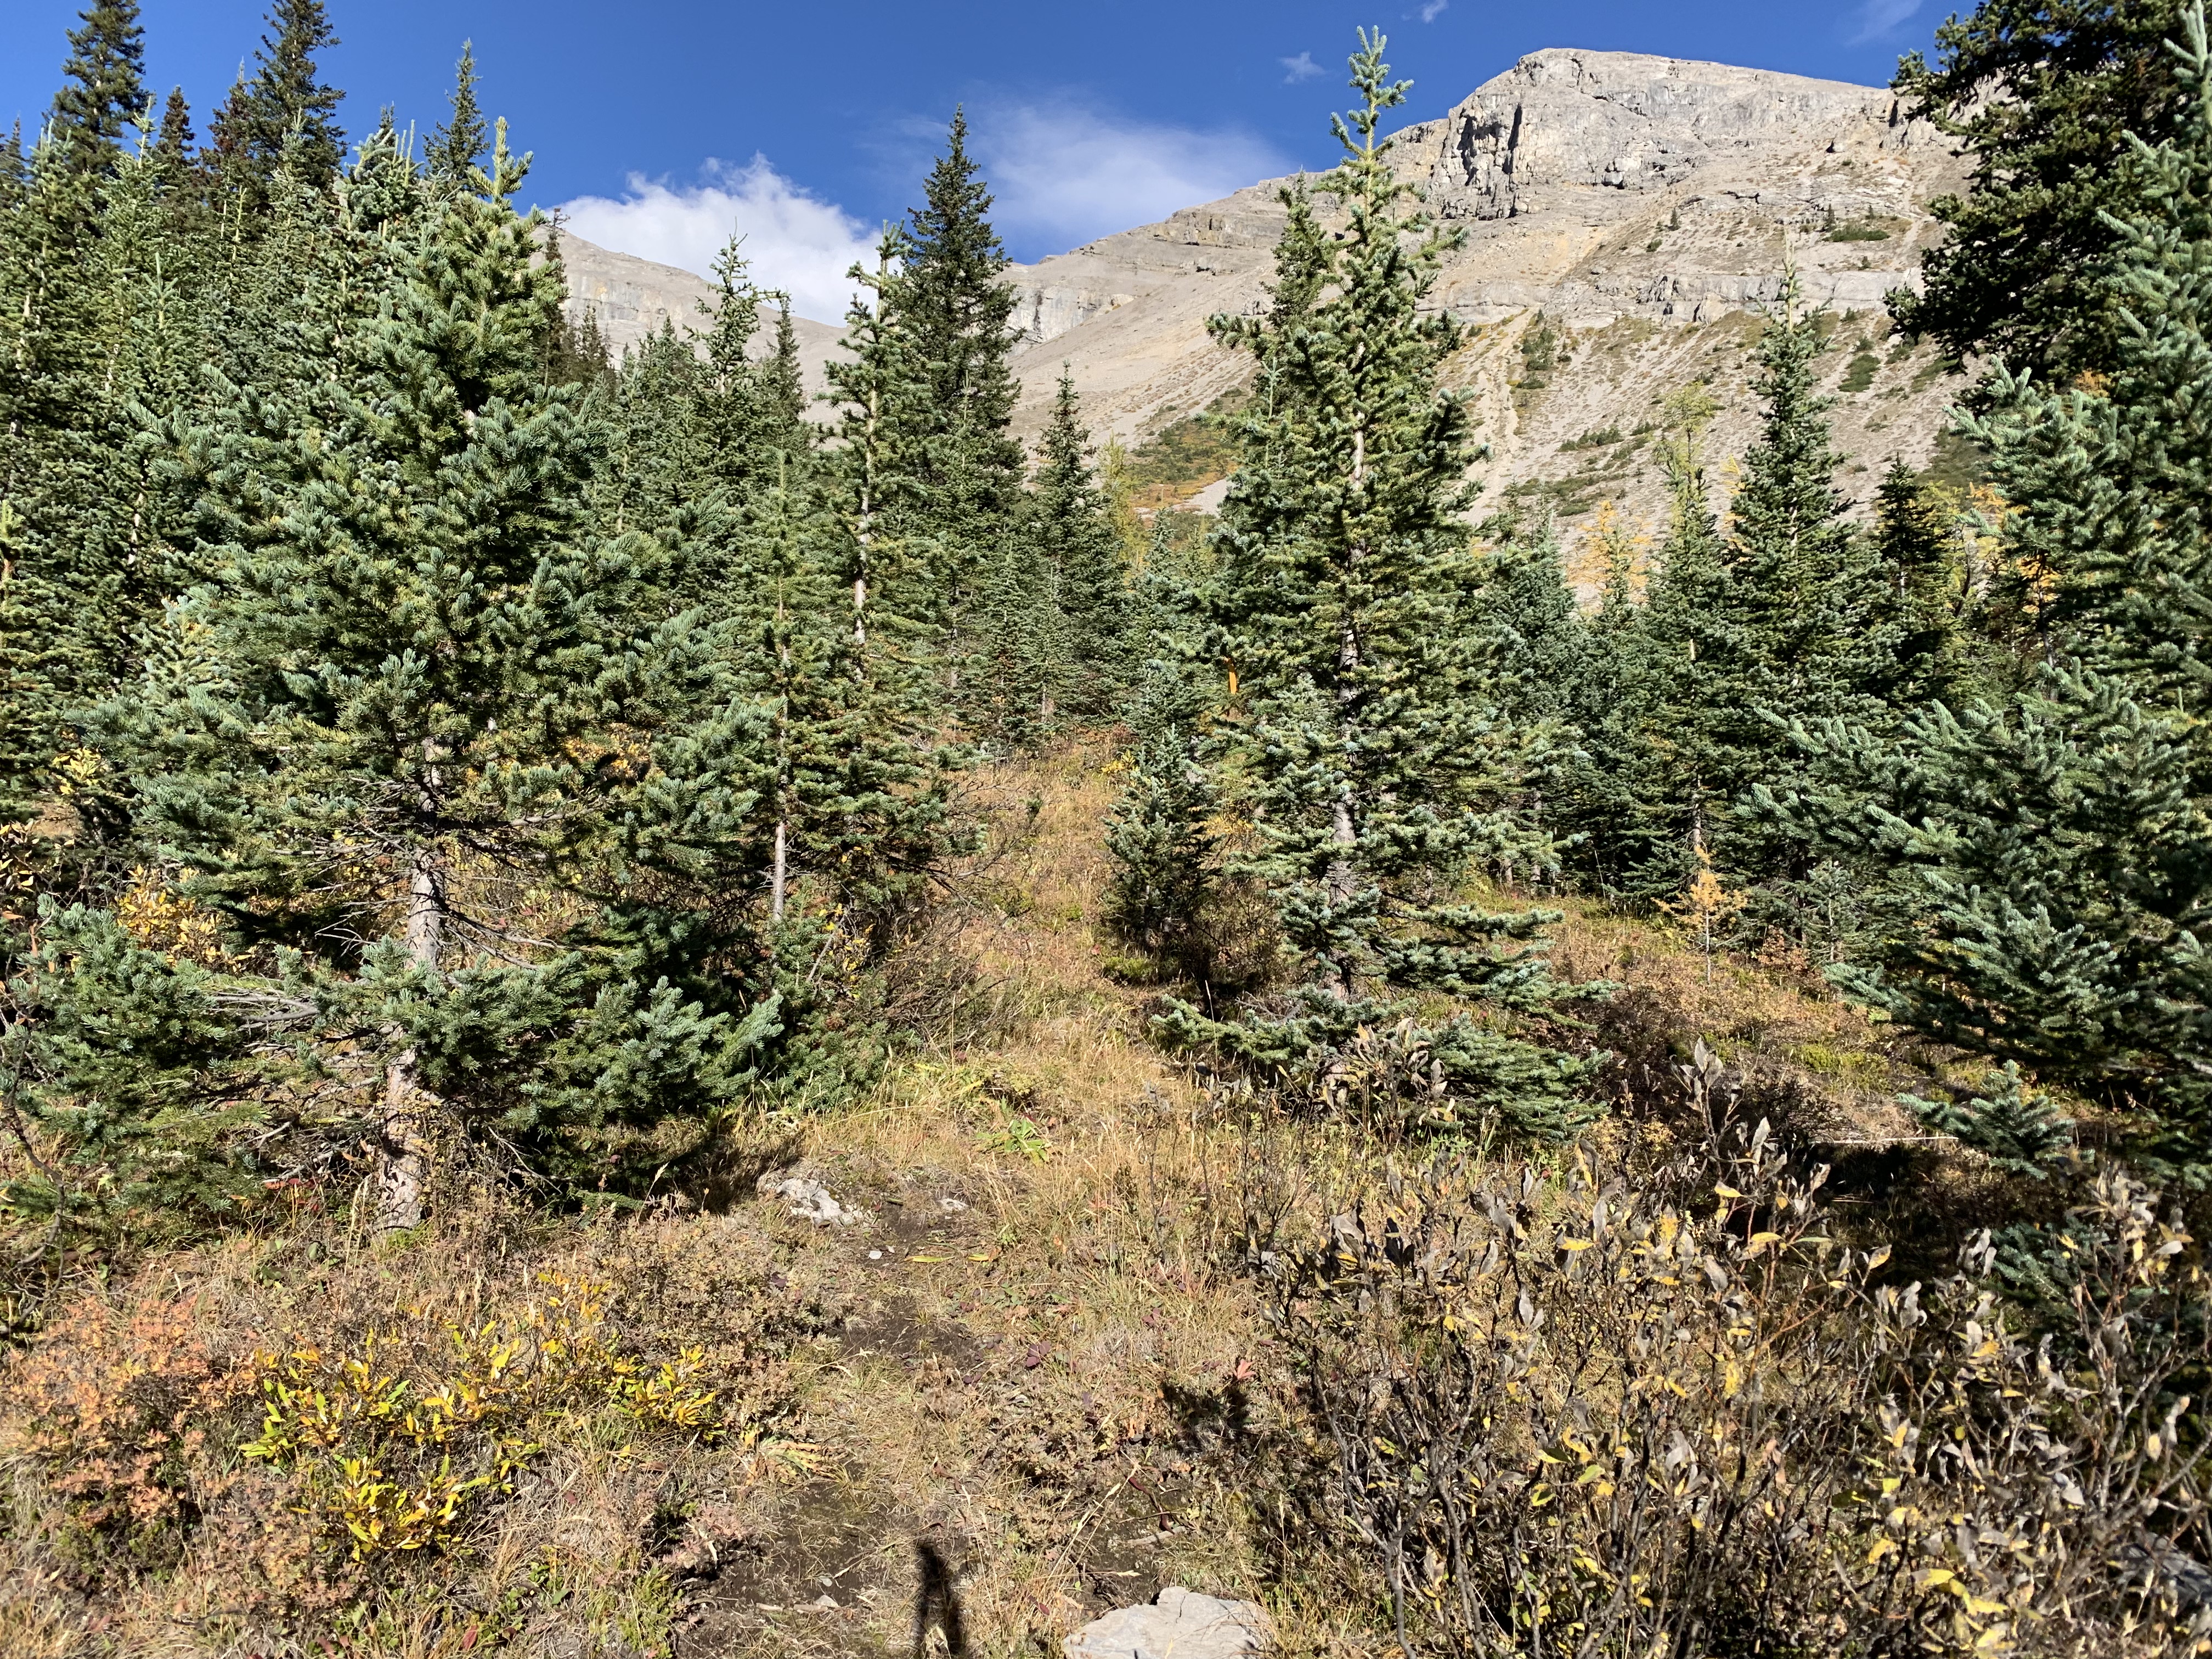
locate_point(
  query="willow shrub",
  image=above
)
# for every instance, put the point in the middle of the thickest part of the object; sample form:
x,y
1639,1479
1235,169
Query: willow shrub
x,y
1677,1416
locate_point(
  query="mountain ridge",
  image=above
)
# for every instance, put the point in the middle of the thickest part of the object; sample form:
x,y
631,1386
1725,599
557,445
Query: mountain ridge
x,y
1626,215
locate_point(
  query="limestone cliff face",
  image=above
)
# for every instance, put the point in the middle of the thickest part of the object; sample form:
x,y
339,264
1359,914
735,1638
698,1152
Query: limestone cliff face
x,y
1626,218
1620,120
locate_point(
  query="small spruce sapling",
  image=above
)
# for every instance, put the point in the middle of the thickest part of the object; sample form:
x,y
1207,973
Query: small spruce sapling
x,y
2015,1127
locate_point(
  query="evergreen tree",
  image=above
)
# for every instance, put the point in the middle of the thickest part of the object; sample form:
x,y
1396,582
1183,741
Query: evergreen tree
x,y
456,148
1079,551
57,649
1166,856
2043,94
228,156
1530,621
1596,811
288,110
1748,633
2014,1126
969,466
655,453
882,828
403,733
1536,665
1912,649
173,141
784,383
1672,755
1165,895
2049,843
1378,758
104,94
1022,663
741,408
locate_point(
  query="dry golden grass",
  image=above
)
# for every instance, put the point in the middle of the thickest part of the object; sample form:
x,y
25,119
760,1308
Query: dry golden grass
x,y
996,1407
1773,1016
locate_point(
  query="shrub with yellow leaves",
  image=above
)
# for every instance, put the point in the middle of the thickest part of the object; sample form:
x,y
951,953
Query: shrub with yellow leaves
x,y
1677,1415
375,1436
1705,908
156,916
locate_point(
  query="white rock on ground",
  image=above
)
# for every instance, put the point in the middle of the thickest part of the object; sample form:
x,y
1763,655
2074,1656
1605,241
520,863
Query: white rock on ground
x,y
810,1199
1181,1624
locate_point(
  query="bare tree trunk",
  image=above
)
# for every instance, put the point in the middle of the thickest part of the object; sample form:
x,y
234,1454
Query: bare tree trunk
x,y
776,879
404,1152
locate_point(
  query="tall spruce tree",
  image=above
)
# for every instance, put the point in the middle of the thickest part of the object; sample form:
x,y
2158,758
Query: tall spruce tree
x,y
882,830
174,140
1078,550
2051,843
745,413
104,92
784,382
289,110
1747,633
407,746
1670,769
456,148
1161,835
64,578
958,312
1378,757
1913,647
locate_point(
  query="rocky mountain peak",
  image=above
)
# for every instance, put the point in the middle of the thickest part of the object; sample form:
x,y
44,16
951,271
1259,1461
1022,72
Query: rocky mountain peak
x,y
1619,120
1627,220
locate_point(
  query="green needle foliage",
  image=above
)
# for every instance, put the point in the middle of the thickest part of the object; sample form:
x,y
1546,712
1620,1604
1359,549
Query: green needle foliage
x,y
456,149
2043,94
406,744
2016,1128
1079,553
2049,843
105,93
967,466
289,115
888,831
1751,627
1378,759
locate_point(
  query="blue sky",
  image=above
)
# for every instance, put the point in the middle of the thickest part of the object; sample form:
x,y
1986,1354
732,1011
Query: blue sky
x,y
665,122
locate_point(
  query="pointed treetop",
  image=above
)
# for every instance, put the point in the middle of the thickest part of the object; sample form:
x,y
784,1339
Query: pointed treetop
x,y
175,141
456,149
289,107
1370,79
105,91
1788,511
230,132
953,228
787,376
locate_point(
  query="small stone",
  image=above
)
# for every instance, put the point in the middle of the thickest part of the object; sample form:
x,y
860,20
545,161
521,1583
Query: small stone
x,y
810,1199
1180,1625
951,1206
824,1604
875,1256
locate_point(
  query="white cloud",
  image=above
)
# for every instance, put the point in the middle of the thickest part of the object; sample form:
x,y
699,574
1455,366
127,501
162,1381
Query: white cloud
x,y
1300,68
793,241
1066,174
1434,9
1878,17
